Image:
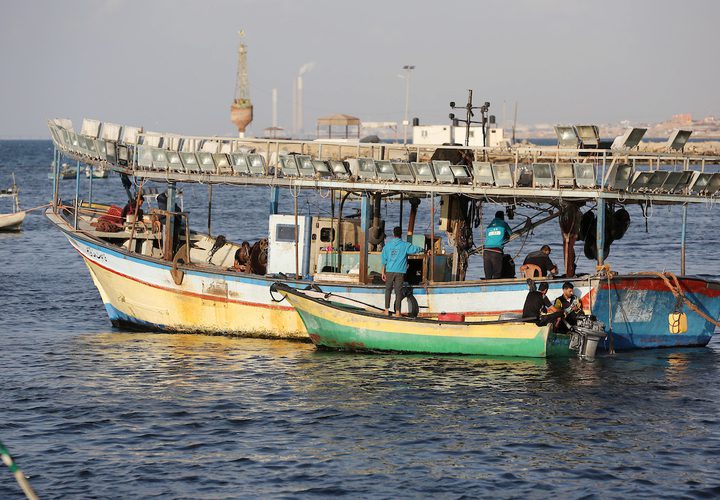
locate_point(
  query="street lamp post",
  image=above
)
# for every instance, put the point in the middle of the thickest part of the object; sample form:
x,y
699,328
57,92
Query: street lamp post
x,y
407,69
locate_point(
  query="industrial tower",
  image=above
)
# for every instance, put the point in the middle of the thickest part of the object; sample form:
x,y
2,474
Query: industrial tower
x,y
241,110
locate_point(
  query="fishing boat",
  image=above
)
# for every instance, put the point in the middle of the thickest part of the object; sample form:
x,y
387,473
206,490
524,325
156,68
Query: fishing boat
x,y
168,277
12,221
335,324
96,173
65,172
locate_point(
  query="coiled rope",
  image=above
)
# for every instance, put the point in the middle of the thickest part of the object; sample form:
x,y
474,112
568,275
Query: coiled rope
x,y
19,476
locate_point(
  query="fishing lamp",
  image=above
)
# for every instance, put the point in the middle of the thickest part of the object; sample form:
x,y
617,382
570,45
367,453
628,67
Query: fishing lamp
x,y
256,164
145,157
566,136
55,132
174,161
153,140
483,173
543,175
713,185
584,175
524,177
443,173
190,162
630,139
73,143
111,153
403,172
111,131
565,175
385,170
678,139
205,162
222,162
640,181
305,166
159,157
99,147
90,128
130,134
589,135
321,168
239,162
289,166
339,169
619,176
699,182
677,182
85,146
422,171
461,174
367,168
656,180
502,173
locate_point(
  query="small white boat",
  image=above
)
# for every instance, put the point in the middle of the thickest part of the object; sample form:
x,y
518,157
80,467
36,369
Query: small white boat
x,y
66,171
11,221
96,172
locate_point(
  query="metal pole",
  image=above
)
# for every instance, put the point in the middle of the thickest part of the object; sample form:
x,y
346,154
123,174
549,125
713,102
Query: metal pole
x,y
406,122
210,189
364,228
274,199
468,118
600,231
682,240
169,239
297,236
91,181
77,193
56,184
432,239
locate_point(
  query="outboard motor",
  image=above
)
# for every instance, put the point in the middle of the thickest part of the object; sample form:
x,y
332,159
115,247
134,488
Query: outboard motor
x,y
585,336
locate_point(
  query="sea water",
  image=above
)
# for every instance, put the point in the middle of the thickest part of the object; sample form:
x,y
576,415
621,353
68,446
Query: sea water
x,y
90,411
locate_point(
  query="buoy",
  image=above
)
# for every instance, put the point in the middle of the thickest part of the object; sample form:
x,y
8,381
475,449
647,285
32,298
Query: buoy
x,y
677,322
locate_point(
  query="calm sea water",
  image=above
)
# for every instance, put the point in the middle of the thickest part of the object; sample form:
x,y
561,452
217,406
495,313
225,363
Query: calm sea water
x,y
94,412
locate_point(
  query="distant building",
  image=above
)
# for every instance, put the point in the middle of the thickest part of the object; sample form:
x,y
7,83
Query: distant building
x,y
441,134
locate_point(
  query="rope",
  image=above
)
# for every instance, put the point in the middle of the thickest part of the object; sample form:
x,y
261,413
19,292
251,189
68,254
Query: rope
x,y
679,294
36,208
19,476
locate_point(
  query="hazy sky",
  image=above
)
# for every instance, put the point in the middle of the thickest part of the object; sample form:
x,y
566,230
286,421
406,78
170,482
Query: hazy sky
x,y
170,65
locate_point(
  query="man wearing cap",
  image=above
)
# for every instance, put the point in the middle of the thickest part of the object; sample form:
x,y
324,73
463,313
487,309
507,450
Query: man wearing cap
x,y
569,304
496,235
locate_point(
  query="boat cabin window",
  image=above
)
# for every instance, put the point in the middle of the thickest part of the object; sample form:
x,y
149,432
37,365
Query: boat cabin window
x,y
327,234
285,232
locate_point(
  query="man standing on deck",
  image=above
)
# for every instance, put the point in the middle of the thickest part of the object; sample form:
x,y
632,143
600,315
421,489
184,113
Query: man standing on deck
x,y
394,267
496,235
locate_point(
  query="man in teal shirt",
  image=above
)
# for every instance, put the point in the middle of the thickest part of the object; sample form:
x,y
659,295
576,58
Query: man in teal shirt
x,y
496,235
394,267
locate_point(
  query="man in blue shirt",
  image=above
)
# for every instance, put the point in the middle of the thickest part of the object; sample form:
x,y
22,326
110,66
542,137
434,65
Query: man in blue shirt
x,y
496,235
394,267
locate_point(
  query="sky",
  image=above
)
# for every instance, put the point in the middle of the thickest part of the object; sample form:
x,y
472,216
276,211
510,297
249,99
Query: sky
x,y
170,65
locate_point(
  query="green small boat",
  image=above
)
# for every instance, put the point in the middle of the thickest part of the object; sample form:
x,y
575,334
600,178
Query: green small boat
x,y
336,325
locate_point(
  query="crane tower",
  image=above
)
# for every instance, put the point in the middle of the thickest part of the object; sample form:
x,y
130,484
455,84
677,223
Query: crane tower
x,y
241,109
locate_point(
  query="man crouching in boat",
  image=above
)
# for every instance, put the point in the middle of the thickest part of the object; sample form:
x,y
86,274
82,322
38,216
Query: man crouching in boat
x,y
394,267
570,306
538,308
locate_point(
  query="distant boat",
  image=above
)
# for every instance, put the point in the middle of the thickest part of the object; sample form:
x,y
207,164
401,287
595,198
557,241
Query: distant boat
x,y
66,171
96,172
11,221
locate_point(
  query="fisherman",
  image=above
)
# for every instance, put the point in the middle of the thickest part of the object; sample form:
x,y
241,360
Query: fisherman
x,y
133,208
496,235
570,306
538,308
162,202
541,258
394,267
